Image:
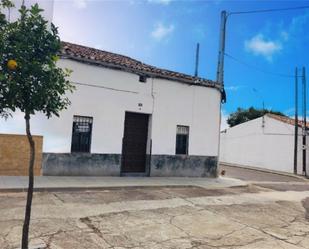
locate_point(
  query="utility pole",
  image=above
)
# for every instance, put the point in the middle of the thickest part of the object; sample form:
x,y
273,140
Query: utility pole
x,y
220,68
304,120
263,117
296,122
197,56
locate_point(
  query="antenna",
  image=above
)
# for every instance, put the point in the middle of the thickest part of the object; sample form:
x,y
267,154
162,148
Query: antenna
x,y
197,55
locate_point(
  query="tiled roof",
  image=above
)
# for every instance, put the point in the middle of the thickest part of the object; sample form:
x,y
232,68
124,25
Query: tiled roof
x,y
286,120
120,62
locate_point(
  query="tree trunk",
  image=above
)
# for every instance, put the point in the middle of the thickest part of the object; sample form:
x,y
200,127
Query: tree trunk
x,y
24,244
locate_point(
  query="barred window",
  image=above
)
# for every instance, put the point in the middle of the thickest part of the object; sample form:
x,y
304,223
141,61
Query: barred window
x,y
81,134
182,140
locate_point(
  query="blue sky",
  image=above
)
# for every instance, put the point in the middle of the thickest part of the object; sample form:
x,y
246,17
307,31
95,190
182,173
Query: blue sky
x,y
164,33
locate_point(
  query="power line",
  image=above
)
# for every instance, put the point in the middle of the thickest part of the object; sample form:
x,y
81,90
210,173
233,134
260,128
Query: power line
x,y
267,10
104,87
258,69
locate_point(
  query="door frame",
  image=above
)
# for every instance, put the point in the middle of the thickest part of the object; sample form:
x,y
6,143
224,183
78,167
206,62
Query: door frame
x,y
148,148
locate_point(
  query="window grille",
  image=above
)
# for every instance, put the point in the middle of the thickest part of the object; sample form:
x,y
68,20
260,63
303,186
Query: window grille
x,y
182,140
81,134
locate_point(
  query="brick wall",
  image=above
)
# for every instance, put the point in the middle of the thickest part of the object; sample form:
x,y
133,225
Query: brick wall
x,y
14,155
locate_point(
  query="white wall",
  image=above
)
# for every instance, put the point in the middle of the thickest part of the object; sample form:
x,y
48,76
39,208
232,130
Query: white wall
x,y
170,104
271,147
182,104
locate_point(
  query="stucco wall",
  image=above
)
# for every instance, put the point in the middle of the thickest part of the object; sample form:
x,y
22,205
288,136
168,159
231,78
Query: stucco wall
x,y
271,147
81,164
14,155
188,166
86,164
169,104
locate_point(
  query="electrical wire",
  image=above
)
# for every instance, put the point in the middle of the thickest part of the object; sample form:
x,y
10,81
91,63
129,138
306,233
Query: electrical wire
x,y
267,10
104,87
263,11
258,69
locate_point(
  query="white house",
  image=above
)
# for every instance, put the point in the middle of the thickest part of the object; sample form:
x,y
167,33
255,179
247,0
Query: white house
x,y
266,142
127,118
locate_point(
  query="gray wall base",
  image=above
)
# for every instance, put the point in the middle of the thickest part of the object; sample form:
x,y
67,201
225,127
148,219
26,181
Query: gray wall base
x,y
86,164
81,164
188,166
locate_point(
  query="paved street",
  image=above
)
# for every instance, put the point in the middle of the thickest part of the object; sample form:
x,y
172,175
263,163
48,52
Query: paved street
x,y
246,217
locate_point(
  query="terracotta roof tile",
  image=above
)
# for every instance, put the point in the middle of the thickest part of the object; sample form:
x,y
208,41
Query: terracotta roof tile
x,y
286,120
116,61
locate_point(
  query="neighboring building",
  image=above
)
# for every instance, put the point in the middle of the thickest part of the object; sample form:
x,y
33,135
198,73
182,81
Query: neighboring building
x,y
127,117
266,142
15,155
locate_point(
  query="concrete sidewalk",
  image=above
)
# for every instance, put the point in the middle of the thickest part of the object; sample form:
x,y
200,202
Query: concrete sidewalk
x,y
255,174
42,183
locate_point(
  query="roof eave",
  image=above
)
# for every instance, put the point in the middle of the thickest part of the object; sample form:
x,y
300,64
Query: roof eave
x,y
213,84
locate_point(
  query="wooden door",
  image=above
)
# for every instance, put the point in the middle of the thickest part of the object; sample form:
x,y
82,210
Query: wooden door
x,y
135,143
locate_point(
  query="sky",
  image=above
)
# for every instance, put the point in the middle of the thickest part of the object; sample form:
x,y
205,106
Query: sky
x,y
164,33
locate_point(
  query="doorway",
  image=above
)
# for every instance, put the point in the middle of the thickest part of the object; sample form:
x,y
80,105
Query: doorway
x,y
134,144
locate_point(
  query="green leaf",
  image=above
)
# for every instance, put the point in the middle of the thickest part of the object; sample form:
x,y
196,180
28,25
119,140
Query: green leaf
x,y
38,84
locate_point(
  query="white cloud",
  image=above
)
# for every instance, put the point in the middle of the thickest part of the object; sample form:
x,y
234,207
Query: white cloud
x,y
299,24
258,45
80,4
233,88
164,2
284,35
162,31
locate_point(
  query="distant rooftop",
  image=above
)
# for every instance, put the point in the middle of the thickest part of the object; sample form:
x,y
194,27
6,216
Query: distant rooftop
x,y
121,62
286,120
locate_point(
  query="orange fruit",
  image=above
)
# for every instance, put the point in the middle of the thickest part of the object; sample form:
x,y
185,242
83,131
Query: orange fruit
x,y
12,64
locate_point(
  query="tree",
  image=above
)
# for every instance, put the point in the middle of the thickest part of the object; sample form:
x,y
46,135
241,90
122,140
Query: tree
x,y
244,115
30,80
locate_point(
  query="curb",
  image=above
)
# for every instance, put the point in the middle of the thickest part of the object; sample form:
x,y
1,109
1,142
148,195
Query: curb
x,y
73,189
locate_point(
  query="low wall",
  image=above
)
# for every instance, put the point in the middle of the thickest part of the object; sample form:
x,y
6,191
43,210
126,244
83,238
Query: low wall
x,y
176,165
81,164
15,154
85,164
